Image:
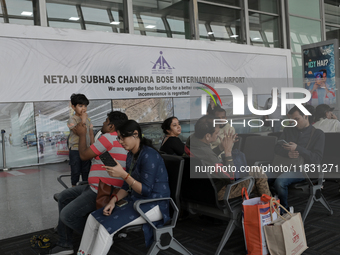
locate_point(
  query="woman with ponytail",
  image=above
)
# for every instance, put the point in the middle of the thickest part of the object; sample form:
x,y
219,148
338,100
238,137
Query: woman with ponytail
x,y
145,177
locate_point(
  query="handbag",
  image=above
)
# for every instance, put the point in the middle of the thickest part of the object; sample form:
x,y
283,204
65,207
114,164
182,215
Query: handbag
x,y
286,234
256,214
104,194
286,161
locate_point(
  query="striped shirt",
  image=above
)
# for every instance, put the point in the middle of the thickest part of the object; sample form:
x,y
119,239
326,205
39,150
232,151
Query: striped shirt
x,y
107,142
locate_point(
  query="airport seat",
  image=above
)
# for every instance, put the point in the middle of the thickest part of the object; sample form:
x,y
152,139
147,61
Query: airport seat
x,y
59,179
259,149
199,196
277,134
163,236
312,187
244,138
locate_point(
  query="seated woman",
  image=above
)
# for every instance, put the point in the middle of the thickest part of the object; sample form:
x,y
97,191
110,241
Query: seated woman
x,y
146,177
325,119
171,144
199,146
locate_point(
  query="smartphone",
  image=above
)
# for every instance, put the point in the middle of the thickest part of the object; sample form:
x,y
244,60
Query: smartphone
x,y
107,159
282,142
121,203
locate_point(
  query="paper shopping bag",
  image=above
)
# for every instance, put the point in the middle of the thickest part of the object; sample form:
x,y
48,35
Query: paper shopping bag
x,y
286,235
256,214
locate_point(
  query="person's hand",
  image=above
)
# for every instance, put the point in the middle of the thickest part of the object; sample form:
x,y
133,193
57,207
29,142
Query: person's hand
x,y
108,208
79,129
116,171
293,154
84,117
228,142
290,146
315,86
331,115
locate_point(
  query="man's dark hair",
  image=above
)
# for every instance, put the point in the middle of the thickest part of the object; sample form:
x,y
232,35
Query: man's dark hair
x,y
117,118
79,99
204,126
294,109
220,109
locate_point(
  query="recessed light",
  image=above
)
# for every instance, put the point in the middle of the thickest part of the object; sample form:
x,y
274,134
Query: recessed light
x,y
115,22
150,26
210,33
234,36
74,18
256,39
27,13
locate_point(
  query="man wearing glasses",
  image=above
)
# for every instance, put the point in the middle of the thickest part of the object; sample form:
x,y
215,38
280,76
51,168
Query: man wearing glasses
x,y
77,202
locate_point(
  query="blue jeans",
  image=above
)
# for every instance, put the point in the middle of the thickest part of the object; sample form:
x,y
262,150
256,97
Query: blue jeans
x,y
78,167
282,182
74,206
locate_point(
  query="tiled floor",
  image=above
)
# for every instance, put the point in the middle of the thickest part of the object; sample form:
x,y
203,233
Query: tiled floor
x,y
26,199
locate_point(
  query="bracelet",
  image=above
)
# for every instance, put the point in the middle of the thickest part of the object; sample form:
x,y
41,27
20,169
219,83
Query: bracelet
x,y
116,197
127,176
132,183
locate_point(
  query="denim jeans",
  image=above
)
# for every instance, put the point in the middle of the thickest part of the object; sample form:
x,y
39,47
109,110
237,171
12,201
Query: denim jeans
x,y
74,206
282,182
78,167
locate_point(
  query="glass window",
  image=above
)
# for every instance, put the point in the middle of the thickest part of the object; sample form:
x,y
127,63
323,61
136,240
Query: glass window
x,y
303,31
332,32
17,119
332,12
263,5
20,12
220,23
264,30
297,70
60,24
61,11
162,18
307,8
226,2
98,28
94,14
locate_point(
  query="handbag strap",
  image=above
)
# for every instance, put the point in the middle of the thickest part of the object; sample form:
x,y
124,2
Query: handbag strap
x,y
244,193
272,204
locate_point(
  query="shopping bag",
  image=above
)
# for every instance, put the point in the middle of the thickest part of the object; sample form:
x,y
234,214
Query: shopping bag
x,y
286,234
256,214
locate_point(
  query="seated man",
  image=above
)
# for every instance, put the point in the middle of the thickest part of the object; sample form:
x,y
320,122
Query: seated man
x,y
303,140
77,202
199,146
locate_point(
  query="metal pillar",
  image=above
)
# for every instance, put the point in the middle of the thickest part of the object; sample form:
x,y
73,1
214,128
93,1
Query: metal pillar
x,y
3,149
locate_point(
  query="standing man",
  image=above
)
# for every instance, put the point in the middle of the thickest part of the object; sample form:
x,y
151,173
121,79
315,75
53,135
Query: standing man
x,y
77,202
304,141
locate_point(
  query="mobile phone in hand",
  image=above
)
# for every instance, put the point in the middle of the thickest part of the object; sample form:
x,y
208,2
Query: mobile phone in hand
x,y
282,142
121,203
107,159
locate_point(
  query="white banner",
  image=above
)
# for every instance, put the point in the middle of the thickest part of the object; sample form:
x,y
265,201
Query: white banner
x,y
35,69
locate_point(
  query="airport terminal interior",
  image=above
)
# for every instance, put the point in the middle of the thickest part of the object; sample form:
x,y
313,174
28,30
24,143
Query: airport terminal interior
x,y
34,131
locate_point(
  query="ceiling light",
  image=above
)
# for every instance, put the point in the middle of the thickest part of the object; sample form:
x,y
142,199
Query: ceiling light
x,y
150,26
210,33
74,18
256,39
115,22
234,36
27,13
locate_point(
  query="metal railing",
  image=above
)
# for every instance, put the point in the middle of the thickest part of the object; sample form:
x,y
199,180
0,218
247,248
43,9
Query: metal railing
x,y
3,150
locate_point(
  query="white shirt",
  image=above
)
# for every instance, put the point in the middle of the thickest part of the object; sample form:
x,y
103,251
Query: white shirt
x,y
328,125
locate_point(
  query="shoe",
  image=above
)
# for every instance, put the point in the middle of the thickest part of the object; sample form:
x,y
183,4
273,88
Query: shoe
x,y
291,209
40,241
58,250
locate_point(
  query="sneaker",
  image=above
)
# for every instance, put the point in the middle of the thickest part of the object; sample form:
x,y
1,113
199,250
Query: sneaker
x,y
291,209
58,250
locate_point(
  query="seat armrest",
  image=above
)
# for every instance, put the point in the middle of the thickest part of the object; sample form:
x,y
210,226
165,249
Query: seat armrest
x,y
228,189
59,179
137,204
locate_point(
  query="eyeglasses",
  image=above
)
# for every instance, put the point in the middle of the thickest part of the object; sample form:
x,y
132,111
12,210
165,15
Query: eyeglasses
x,y
118,138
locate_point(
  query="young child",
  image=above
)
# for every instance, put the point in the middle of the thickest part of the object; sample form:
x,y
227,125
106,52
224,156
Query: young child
x,y
79,104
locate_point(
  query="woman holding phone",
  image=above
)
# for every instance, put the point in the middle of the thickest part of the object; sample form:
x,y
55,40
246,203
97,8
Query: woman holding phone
x,y
146,177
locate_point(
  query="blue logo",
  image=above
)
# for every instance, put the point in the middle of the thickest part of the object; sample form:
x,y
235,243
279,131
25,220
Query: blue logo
x,y
161,66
